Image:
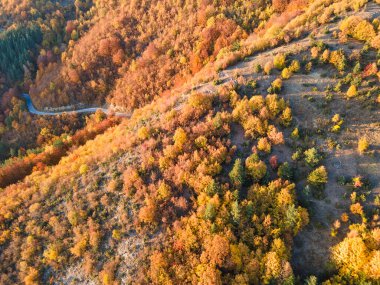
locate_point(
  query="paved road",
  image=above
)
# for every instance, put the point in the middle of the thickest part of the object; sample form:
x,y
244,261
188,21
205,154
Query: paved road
x,y
34,111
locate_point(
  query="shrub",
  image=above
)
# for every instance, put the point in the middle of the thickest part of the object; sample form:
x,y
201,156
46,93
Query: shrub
x,y
325,55
258,68
275,86
338,59
358,28
294,66
363,145
273,161
143,133
314,51
375,43
308,67
312,157
201,142
295,134
201,101
279,61
352,91
268,67
286,73
286,117
180,137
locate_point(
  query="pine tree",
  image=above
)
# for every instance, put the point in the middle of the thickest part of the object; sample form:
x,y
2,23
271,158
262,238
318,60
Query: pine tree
x,y
237,174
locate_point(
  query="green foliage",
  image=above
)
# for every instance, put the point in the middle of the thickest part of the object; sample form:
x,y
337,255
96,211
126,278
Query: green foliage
x,y
237,173
16,50
255,167
312,157
212,188
318,177
285,171
210,211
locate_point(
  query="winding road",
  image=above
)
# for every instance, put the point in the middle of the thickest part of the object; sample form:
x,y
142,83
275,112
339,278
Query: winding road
x,y
34,111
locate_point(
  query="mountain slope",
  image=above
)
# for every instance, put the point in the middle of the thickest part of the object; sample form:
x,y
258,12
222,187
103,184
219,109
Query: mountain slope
x,y
215,184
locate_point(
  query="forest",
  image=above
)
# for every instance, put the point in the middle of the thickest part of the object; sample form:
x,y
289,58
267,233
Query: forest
x,y
235,142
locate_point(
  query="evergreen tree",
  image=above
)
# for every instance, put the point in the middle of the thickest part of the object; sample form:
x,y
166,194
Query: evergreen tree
x,y
237,174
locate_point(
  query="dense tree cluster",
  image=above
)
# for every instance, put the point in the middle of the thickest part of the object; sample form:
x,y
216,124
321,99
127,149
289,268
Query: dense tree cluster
x,y
211,227
16,168
130,66
17,47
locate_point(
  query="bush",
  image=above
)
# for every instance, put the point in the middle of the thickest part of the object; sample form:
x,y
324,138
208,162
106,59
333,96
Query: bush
x,y
279,61
258,68
338,59
363,145
308,67
352,91
294,66
295,134
275,86
286,117
312,157
358,28
143,133
325,55
286,73
268,68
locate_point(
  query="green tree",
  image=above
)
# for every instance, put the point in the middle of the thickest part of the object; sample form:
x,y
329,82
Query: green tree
x,y
255,167
318,177
312,157
285,171
237,174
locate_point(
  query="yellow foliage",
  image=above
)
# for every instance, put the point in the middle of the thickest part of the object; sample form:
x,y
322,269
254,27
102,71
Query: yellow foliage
x,y
264,145
180,137
279,61
350,256
51,253
83,169
352,91
363,145
143,133
286,73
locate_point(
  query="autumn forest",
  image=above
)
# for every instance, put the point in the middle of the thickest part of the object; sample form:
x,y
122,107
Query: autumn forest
x,y
190,142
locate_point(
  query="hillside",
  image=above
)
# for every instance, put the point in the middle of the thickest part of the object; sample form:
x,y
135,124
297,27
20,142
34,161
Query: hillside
x,y
251,155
